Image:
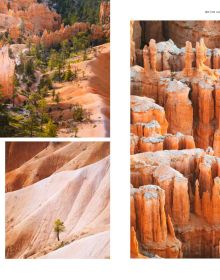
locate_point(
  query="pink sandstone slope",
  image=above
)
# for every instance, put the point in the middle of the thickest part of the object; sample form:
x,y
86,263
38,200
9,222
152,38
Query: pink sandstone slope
x,y
55,157
91,247
80,198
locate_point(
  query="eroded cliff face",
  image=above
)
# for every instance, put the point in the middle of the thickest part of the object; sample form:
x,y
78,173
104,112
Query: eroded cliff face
x,y
50,39
28,17
182,81
32,19
99,31
104,12
175,144
7,70
155,232
190,182
179,31
135,40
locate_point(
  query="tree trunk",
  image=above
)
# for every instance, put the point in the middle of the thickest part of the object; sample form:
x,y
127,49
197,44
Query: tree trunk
x,y
58,236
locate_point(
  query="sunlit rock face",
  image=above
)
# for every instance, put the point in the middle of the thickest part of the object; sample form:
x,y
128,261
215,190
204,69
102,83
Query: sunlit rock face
x,y
155,230
7,70
175,81
191,196
104,12
28,16
185,82
52,37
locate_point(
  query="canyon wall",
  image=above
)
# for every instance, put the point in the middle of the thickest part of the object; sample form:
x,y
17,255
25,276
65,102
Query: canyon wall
x,y
104,12
179,31
135,40
6,73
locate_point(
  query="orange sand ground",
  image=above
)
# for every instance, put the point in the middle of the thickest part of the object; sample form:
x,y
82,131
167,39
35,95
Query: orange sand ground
x,y
92,91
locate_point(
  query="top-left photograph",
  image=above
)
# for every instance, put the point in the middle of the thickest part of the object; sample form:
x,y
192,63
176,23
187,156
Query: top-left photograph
x,y
54,68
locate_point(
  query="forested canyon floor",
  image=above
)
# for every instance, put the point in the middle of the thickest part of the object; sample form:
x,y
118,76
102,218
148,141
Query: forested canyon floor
x,y
51,181
55,68
175,143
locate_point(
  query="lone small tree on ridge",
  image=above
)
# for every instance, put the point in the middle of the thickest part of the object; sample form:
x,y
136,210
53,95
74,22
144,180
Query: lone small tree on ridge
x,y
58,227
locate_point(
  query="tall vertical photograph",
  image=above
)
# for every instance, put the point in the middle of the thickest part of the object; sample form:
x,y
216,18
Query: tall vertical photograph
x,y
175,139
54,68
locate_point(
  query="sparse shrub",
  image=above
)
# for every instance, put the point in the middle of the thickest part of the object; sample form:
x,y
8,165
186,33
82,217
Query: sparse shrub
x,y
78,113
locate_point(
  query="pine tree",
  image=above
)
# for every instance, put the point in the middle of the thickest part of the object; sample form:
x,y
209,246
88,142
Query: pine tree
x,y
50,129
58,228
68,74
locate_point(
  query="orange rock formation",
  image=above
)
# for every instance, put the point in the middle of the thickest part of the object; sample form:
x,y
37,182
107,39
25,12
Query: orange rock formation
x,y
54,38
152,227
104,13
135,39
190,182
6,73
187,90
28,17
175,198
98,32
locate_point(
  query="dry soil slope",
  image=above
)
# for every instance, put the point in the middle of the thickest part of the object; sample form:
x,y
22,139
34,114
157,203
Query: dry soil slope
x,y
92,92
57,156
80,198
91,247
18,153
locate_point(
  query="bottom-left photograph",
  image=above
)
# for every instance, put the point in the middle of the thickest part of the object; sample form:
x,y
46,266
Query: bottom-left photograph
x,y
57,200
